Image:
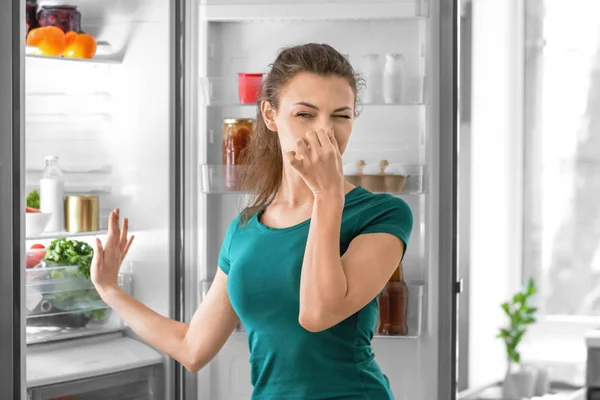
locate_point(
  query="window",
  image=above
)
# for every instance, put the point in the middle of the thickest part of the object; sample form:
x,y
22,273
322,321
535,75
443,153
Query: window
x,y
561,248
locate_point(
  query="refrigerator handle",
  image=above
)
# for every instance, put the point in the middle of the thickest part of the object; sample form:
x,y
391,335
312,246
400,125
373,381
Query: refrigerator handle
x,y
459,286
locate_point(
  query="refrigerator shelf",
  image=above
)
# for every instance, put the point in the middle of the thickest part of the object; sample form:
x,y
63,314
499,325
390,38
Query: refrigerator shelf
x,y
62,234
218,10
59,300
104,55
226,179
223,92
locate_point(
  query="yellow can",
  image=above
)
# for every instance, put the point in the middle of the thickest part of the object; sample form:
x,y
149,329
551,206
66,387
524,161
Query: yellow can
x,y
82,214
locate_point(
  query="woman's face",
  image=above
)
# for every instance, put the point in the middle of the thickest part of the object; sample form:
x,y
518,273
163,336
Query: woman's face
x,y
310,102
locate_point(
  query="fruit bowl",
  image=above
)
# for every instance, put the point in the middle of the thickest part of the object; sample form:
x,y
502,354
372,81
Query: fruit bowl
x,y
35,223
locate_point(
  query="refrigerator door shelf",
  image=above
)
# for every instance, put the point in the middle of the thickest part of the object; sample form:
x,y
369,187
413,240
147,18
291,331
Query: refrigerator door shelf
x,y
414,314
224,179
224,91
68,362
54,235
216,10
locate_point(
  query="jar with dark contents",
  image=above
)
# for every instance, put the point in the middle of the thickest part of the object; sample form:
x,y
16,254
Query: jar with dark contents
x,y
65,17
31,15
393,306
236,138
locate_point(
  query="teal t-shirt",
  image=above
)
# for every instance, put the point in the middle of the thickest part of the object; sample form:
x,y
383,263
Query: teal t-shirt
x,y
288,362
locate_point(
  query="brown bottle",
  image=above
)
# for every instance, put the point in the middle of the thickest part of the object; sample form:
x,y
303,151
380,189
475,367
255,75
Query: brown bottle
x,y
393,306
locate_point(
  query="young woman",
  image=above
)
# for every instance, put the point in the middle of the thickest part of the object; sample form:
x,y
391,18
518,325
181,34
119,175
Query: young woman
x,y
303,264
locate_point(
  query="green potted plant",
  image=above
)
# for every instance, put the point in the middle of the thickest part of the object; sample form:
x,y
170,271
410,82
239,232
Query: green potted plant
x,y
519,381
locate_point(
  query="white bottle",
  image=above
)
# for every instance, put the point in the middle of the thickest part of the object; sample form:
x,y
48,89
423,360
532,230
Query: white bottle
x,y
372,76
52,195
393,76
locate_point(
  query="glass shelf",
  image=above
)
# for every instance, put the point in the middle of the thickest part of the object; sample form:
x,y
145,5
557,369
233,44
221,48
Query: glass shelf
x,y
104,54
222,179
63,234
223,92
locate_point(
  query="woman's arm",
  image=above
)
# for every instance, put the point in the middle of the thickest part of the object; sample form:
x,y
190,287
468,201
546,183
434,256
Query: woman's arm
x,y
192,345
332,288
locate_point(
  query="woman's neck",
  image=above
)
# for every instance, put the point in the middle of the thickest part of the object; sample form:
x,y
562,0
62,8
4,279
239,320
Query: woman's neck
x,y
293,191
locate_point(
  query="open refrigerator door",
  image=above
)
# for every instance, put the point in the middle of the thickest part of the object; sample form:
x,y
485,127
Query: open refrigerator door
x,y
403,142
99,107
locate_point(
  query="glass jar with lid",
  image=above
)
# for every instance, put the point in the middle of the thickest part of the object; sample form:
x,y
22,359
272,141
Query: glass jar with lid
x,y
236,138
65,17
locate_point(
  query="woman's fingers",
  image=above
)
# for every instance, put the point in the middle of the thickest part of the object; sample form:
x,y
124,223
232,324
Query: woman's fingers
x,y
113,226
293,160
334,141
313,142
325,139
123,237
302,149
98,252
125,249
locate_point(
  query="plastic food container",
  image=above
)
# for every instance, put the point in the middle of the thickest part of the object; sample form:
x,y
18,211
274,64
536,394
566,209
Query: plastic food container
x,y
62,297
249,87
65,17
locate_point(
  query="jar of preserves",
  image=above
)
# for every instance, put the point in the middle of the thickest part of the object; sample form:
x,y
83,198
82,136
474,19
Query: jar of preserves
x,y
236,137
393,306
65,17
31,15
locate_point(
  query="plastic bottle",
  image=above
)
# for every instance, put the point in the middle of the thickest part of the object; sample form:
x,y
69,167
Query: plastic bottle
x,y
52,195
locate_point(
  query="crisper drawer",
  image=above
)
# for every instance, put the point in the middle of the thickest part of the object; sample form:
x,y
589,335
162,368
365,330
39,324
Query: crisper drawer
x,y
138,384
62,301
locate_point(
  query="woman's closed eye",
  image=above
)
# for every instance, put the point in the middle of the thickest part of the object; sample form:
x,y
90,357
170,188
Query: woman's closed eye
x,y
307,115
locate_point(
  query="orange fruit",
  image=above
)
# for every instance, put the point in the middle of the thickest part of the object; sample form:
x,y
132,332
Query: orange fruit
x,y
82,46
70,37
49,40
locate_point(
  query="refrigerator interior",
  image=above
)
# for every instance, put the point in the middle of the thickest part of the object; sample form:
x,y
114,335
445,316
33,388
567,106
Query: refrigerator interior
x,y
228,39
108,120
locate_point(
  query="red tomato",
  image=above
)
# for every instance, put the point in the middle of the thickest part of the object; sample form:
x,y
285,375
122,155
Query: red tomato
x,y
38,246
33,257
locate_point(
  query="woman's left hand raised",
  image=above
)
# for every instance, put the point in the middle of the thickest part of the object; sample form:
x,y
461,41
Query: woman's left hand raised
x,y
318,160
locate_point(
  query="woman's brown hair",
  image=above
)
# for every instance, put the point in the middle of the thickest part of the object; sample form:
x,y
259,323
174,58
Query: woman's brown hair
x,y
263,158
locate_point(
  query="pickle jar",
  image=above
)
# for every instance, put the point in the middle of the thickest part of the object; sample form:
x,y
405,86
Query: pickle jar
x,y
236,138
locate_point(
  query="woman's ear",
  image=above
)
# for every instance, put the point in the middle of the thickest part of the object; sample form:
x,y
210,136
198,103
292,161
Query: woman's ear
x,y
268,114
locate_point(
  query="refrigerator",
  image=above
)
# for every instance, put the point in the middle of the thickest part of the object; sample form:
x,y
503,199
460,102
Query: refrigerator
x,y
140,126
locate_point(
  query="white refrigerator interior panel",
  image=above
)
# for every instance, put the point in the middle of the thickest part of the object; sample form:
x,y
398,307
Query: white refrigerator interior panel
x,y
78,359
